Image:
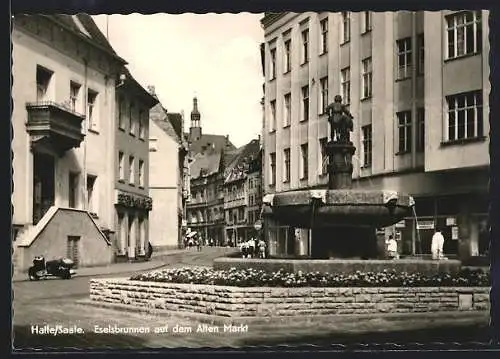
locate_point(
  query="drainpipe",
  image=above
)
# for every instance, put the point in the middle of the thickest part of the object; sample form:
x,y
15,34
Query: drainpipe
x,y
414,89
85,132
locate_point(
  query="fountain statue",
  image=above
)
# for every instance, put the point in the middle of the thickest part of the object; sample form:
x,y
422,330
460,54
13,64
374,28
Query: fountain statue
x,y
343,221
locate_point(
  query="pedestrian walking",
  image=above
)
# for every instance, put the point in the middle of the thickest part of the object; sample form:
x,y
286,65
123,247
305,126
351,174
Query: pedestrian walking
x,y
262,248
251,247
198,244
244,249
392,248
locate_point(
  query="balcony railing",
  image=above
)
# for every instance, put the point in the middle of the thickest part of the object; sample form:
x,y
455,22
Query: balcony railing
x,y
54,125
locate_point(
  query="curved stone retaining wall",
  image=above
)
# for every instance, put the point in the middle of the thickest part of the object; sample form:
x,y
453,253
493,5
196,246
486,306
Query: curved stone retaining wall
x,y
271,302
346,266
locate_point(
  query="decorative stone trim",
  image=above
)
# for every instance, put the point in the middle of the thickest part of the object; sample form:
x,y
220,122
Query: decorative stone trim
x,y
286,302
134,201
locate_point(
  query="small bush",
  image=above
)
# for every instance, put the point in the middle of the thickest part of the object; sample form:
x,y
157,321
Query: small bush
x,y
259,278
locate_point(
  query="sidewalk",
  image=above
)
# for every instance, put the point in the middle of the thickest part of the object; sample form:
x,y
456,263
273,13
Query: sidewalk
x,y
157,261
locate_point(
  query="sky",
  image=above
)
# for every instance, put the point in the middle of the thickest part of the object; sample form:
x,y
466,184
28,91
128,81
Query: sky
x,y
215,57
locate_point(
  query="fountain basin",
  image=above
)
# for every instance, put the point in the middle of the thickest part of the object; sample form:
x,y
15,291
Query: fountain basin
x,y
357,208
345,266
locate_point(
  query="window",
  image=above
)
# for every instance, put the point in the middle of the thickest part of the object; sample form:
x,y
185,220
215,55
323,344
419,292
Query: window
x,y
91,196
464,33
73,190
304,164
305,103
131,173
420,54
141,173
345,85
366,21
74,91
367,145
91,109
403,48
286,174
420,130
346,26
121,113
465,115
324,95
121,169
287,59
131,119
140,120
272,162
153,144
323,155
43,77
404,131
287,110
324,36
272,64
272,104
366,77
305,46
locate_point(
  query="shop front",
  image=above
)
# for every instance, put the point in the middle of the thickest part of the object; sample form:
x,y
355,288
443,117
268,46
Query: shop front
x,y
462,219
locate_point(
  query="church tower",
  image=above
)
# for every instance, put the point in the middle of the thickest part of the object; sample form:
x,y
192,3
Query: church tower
x,y
195,129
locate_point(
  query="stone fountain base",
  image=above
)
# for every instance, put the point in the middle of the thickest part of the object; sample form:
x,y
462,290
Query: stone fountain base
x,y
346,266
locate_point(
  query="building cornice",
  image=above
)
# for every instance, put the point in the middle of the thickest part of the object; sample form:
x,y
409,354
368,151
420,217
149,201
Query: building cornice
x,y
271,17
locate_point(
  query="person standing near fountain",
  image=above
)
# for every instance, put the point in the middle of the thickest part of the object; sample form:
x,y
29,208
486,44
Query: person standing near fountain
x,y
437,244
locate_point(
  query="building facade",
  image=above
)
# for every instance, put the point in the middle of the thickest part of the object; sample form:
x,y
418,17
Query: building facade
x,y
208,154
242,195
205,210
417,86
65,74
167,171
132,201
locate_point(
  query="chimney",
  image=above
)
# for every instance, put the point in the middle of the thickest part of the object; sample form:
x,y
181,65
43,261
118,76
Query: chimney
x,y
151,90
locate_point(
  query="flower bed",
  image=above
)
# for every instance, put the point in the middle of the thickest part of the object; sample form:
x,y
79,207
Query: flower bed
x,y
259,278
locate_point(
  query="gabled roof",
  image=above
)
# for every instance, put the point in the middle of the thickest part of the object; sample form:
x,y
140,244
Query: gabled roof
x,y
176,121
205,164
84,26
159,115
237,169
133,85
216,142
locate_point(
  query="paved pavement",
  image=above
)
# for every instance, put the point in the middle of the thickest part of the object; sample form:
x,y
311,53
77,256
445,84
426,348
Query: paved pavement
x,y
156,261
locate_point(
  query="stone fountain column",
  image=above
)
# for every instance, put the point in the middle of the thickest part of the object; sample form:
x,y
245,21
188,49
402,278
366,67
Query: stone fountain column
x,y
347,241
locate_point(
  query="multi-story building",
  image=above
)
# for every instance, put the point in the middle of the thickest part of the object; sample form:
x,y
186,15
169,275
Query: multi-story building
x,y
205,212
65,74
241,193
168,150
132,201
207,155
417,85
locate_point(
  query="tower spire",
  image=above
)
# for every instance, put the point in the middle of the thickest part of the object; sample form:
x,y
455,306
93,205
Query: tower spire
x,y
195,130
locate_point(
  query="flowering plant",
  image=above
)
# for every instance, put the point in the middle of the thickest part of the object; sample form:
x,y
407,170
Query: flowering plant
x,y
259,278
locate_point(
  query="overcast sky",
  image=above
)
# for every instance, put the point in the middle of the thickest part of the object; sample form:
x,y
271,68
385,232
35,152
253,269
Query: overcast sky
x,y
213,57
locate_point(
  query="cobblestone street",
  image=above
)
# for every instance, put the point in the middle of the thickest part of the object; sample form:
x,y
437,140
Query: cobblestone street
x,y
56,302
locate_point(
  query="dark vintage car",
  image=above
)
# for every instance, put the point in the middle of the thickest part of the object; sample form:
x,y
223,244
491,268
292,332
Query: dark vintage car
x,y
61,268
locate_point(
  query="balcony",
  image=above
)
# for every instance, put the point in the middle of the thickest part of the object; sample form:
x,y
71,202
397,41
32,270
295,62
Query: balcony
x,y
54,126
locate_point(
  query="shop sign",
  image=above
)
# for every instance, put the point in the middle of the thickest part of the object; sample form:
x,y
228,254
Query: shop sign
x,y
401,224
425,225
454,233
451,221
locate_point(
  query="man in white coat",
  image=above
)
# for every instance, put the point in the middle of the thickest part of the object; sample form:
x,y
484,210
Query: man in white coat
x,y
437,245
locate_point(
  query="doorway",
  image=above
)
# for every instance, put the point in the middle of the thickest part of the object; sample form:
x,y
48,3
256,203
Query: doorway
x,y
43,185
